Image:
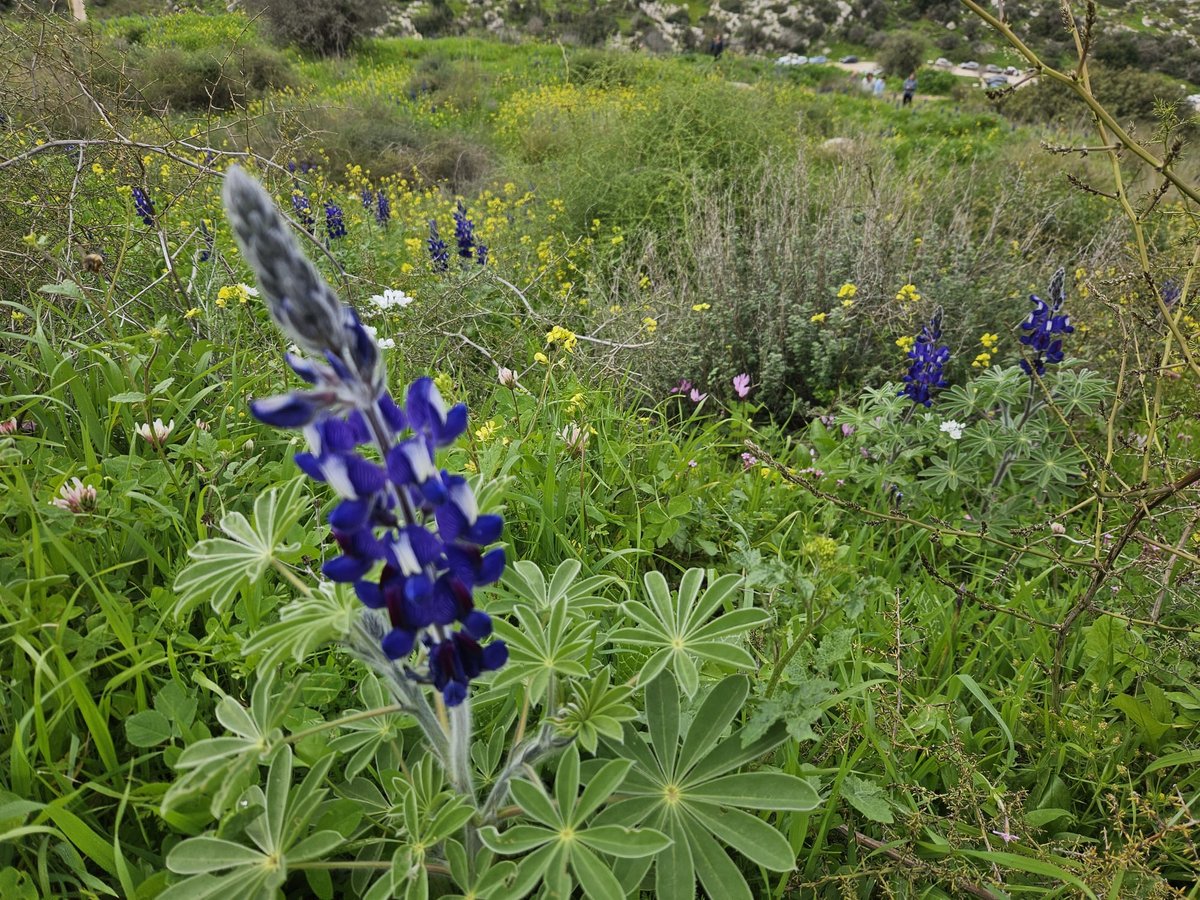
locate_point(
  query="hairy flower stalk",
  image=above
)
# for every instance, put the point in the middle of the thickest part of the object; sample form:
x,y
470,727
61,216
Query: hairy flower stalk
x,y
411,537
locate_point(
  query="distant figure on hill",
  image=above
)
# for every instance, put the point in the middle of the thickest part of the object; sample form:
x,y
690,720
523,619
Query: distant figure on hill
x,y
866,83
910,88
879,86
717,47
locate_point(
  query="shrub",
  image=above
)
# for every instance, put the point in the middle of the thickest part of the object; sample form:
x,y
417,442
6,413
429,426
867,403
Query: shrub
x,y
902,52
199,79
323,27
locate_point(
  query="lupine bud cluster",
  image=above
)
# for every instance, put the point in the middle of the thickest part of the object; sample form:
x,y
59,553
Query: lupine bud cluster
x,y
925,375
411,537
1045,323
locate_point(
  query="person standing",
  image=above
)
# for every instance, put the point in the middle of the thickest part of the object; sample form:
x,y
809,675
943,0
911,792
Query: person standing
x,y
717,47
910,88
878,86
866,83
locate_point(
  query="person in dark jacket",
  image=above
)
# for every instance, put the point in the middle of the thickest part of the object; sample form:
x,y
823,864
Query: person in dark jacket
x,y
717,47
910,88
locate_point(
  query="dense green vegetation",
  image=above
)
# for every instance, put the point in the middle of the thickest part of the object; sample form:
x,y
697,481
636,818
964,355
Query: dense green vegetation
x,y
773,628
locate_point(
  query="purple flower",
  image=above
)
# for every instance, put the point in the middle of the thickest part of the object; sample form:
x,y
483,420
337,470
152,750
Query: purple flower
x,y
439,253
928,359
749,461
1046,321
695,396
398,513
847,430
335,222
683,387
143,206
741,385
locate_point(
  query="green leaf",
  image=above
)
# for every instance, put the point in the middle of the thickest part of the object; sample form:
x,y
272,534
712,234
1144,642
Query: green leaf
x,y
758,790
517,839
625,843
220,565
747,834
203,854
718,874
674,870
868,798
971,685
596,879
1028,864
147,728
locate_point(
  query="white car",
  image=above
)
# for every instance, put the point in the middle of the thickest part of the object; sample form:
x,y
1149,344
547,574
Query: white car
x,y
943,63
970,64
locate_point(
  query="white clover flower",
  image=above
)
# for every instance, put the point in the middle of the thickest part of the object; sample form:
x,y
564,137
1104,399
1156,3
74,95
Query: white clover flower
x,y
954,429
386,343
391,299
507,377
156,433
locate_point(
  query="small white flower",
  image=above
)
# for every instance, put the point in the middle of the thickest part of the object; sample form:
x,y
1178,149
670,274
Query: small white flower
x,y
371,330
574,438
156,434
506,377
954,429
250,292
387,343
390,299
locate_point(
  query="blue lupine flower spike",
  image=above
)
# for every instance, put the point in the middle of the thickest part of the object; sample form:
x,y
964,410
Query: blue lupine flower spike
x,y
143,206
925,375
335,221
303,210
464,232
1045,325
383,209
417,527
439,253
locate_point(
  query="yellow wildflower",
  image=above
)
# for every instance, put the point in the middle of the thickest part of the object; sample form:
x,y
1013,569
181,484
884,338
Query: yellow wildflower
x,y
192,313
982,361
905,343
818,317
847,291
650,324
542,358
486,431
567,338
989,340
701,307
908,294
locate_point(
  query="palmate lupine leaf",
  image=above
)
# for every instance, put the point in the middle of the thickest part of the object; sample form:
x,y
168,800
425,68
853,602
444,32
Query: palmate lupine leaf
x,y
682,627
278,836
220,565
685,784
561,849
305,624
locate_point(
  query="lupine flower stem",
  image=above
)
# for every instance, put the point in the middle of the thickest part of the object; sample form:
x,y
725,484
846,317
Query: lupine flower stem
x,y
460,749
1032,405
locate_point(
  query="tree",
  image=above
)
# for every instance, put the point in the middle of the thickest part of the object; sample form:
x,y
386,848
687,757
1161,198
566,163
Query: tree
x,y
902,53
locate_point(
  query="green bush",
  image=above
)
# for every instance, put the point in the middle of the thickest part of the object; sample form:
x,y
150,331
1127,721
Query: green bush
x,y
199,79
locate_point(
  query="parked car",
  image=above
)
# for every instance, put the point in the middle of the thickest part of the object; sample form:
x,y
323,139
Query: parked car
x,y
970,64
791,59
992,69
943,63
996,81
818,60
1011,70
848,59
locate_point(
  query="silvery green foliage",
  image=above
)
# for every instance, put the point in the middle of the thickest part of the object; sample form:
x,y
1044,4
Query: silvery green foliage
x,y
998,440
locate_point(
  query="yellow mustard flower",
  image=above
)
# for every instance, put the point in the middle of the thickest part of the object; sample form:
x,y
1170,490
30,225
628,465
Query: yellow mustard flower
x,y
818,317
847,291
905,343
192,313
908,294
567,338
701,307
542,358
650,324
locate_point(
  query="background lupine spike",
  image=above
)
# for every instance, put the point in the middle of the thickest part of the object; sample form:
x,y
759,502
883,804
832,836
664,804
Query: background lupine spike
x,y
299,300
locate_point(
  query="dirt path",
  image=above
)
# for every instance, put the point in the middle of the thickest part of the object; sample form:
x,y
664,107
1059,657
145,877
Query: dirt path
x,y
979,75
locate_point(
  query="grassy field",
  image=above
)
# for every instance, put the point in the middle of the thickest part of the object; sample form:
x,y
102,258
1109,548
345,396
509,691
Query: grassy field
x,y
775,627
